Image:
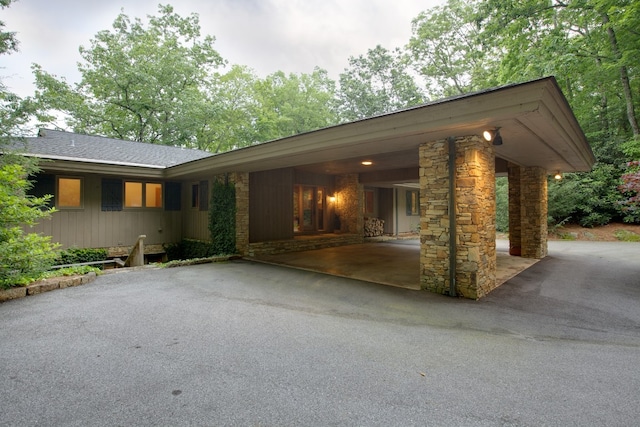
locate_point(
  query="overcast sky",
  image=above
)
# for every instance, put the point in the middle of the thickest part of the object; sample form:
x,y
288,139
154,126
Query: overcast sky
x,y
266,35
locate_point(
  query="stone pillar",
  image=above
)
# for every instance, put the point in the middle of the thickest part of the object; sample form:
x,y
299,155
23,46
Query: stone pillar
x,y
349,200
533,205
475,217
241,180
515,217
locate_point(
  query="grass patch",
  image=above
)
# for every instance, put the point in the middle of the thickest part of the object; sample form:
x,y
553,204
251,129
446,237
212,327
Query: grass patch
x,y
626,236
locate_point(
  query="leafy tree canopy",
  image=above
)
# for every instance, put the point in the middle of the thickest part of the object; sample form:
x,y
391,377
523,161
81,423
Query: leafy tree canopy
x,y
140,82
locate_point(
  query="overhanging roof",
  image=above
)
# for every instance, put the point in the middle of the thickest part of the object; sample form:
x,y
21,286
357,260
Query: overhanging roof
x,y
536,123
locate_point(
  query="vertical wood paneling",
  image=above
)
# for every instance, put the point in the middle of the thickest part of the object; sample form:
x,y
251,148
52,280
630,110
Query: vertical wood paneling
x,y
271,205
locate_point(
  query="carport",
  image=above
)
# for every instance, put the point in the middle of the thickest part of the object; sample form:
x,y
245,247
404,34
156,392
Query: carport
x,y
439,150
392,262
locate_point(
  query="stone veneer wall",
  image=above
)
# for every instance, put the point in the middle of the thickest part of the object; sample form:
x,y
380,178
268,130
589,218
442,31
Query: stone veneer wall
x,y
475,217
515,215
241,180
533,205
349,199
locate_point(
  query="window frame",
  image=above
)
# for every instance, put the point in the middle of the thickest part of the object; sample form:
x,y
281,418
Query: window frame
x,y
143,195
413,209
58,197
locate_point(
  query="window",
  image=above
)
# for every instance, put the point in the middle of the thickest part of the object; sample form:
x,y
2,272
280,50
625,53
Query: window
x,y
137,192
308,208
413,203
69,193
153,193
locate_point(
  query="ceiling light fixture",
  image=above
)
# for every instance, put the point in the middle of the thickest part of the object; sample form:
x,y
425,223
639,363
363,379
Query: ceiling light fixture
x,y
558,176
367,163
493,136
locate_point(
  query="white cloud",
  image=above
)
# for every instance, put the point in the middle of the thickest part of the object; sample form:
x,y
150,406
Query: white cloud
x,y
266,35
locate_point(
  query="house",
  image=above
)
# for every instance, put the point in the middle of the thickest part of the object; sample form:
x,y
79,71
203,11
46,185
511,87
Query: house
x,y
409,168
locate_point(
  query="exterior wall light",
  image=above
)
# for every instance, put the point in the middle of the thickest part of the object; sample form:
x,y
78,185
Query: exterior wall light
x,y
558,176
493,136
332,199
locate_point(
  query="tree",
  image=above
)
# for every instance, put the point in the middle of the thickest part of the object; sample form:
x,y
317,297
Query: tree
x,y
232,101
375,84
293,104
447,49
23,256
140,82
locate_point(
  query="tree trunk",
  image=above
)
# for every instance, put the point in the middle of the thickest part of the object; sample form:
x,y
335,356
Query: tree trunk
x,y
624,77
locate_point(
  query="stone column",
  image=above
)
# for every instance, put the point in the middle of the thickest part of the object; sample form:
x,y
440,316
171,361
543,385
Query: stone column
x,y
533,205
475,217
349,199
241,180
515,217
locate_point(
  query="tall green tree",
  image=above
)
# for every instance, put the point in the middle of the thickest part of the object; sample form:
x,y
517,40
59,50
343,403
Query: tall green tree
x,y
448,51
376,83
293,104
140,81
230,98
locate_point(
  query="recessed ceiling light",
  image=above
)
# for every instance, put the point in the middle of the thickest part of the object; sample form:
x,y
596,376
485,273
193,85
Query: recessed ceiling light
x,y
367,163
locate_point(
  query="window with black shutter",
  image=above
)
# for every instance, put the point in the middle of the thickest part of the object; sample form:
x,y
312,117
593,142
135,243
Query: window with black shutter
x,y
172,196
44,184
204,195
111,194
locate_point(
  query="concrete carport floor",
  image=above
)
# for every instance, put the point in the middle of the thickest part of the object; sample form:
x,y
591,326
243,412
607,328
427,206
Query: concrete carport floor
x,y
394,262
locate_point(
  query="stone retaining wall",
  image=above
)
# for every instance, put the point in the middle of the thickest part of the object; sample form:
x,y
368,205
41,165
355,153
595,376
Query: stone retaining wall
x,y
46,285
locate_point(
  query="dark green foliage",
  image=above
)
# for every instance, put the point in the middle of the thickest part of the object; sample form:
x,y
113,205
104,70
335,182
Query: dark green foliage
x,y
589,199
189,249
222,218
77,255
502,204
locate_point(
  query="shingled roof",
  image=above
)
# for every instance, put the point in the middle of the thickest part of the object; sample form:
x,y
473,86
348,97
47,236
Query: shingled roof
x,y
60,145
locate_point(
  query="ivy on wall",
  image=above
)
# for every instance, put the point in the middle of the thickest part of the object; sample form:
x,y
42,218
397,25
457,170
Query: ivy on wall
x,y
222,217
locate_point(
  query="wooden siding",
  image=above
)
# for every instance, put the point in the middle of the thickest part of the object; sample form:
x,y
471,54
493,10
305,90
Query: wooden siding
x,y
195,221
90,227
271,205
385,208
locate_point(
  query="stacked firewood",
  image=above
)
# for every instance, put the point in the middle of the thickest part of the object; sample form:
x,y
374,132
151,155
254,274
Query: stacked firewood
x,y
373,227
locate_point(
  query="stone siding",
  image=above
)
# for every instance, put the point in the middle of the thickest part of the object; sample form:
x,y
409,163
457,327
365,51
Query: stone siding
x,y
241,180
475,217
349,198
515,215
533,205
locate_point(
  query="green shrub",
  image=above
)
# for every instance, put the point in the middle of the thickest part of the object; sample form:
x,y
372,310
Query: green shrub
x,y
222,218
627,236
189,249
502,204
76,255
23,256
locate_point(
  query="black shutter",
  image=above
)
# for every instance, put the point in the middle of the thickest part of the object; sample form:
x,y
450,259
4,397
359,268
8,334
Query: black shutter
x,y
204,195
172,196
44,184
111,194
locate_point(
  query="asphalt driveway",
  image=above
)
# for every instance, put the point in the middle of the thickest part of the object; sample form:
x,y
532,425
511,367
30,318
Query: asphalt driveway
x,y
242,343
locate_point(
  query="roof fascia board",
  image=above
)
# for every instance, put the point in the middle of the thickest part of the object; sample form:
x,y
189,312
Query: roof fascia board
x,y
68,166
502,103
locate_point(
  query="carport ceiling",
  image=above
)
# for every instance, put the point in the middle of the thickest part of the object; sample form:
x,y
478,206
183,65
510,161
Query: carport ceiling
x,y
536,123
